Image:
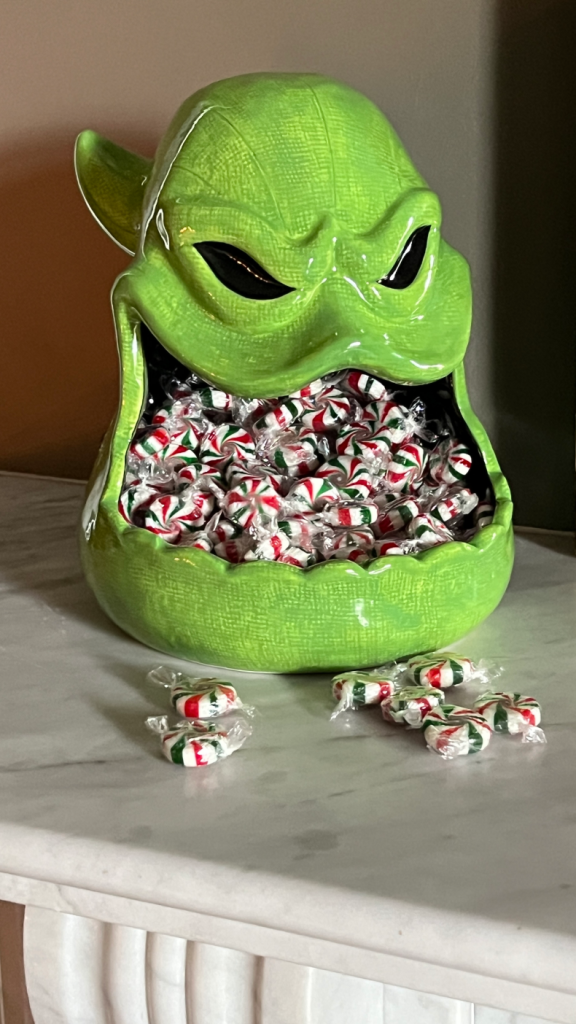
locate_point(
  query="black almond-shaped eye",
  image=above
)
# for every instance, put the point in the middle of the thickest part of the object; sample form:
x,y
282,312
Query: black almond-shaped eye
x,y
239,272
409,261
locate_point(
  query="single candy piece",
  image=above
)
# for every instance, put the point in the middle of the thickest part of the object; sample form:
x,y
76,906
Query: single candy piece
x,y
411,704
194,697
307,395
350,474
250,498
364,385
449,462
219,529
151,444
452,731
390,414
312,493
303,530
332,408
405,466
135,497
196,744
295,453
454,506
161,517
442,670
363,539
227,441
397,516
269,548
353,690
281,416
428,532
298,556
349,513
213,398
512,713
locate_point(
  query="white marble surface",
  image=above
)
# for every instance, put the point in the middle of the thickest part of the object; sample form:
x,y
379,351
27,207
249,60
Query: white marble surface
x,y
341,840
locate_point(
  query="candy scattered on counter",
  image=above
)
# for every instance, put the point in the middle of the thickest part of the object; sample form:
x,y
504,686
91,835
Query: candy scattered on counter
x,y
288,479
452,731
196,744
412,692
512,713
198,739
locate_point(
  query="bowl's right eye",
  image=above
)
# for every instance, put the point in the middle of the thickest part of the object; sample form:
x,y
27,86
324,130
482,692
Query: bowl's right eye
x,y
240,272
410,260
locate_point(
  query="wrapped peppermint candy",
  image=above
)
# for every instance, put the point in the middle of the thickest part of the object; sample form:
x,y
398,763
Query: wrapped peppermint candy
x,y
393,546
410,705
428,532
197,539
134,498
196,696
332,407
369,389
452,731
311,494
220,529
512,713
445,668
235,550
351,513
355,545
352,476
227,441
354,690
213,398
281,416
197,744
152,443
304,530
450,462
405,467
301,557
252,497
295,453
396,516
454,505
308,394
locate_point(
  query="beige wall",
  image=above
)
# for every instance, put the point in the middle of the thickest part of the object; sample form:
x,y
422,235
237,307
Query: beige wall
x,y
122,67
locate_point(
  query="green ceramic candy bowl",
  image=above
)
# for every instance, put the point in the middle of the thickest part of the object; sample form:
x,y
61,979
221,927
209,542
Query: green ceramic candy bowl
x,y
307,177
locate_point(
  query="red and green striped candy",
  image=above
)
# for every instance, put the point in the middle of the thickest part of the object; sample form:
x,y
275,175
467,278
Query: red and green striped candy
x,y
194,749
203,698
214,398
298,556
450,462
227,440
428,532
251,498
452,731
281,416
133,498
364,385
350,513
390,414
269,548
441,670
395,517
312,493
509,712
410,705
153,443
332,408
405,466
453,506
353,690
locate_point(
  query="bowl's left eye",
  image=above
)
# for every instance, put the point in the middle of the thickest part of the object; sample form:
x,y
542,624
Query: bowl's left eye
x,y
409,261
240,272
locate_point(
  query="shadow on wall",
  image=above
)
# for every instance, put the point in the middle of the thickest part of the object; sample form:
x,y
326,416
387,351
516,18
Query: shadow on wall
x,y
57,270
534,266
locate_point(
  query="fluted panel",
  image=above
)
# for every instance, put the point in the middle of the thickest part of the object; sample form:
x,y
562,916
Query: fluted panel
x,y
284,993
340,999
124,974
403,1005
220,985
166,979
63,956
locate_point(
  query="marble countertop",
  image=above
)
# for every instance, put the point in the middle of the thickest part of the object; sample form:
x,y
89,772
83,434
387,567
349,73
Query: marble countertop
x,y
349,832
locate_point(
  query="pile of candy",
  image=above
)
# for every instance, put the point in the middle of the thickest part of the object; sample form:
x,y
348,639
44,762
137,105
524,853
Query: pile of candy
x,y
197,739
412,693
340,469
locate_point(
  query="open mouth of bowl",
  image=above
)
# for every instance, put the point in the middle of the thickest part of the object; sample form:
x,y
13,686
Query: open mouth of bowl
x,y
349,467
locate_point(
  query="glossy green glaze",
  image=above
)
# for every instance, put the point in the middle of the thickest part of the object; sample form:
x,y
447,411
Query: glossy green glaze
x,y
308,177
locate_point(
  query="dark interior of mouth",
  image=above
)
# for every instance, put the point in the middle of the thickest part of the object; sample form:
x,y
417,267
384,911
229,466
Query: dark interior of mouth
x,y
438,398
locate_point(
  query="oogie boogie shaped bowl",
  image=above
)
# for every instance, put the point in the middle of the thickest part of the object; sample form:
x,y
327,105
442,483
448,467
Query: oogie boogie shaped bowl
x,y
347,269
